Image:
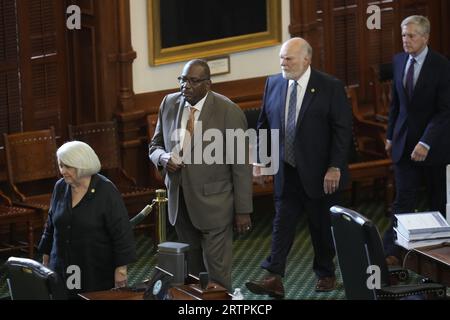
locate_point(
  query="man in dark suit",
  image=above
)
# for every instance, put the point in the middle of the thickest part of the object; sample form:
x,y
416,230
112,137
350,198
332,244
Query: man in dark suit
x,y
205,197
418,121
311,111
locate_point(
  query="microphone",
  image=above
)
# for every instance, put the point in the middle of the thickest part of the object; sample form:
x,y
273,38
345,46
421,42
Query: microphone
x,y
141,215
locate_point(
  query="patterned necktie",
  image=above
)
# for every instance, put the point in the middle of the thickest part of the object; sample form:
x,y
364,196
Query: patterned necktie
x,y
290,127
189,130
409,83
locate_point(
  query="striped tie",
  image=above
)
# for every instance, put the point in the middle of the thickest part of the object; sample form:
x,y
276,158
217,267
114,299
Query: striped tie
x,y
290,127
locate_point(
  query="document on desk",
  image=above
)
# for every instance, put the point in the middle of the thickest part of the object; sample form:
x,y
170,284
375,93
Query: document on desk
x,y
422,225
412,244
448,193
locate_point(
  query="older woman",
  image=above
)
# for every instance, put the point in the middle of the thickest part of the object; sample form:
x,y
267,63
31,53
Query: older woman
x,y
88,239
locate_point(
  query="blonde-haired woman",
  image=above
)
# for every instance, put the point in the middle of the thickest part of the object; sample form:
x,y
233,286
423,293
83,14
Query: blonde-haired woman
x,y
87,232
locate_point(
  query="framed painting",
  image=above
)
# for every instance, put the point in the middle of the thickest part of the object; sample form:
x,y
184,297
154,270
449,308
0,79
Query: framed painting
x,y
180,30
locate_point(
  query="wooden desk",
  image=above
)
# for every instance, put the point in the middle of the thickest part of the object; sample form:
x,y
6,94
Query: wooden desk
x,y
183,292
432,262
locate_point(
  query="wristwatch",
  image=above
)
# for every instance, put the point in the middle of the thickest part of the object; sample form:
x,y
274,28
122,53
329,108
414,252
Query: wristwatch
x,y
334,169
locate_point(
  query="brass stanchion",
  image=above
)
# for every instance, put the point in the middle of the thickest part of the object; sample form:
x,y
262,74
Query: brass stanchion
x,y
161,200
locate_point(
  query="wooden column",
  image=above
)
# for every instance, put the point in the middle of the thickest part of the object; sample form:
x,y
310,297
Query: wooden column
x,y
125,57
132,125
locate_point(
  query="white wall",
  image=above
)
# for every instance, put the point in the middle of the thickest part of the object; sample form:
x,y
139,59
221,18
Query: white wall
x,y
243,65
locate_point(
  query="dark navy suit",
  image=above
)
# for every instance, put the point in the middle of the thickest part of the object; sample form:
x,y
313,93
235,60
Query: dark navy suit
x,y
322,140
423,117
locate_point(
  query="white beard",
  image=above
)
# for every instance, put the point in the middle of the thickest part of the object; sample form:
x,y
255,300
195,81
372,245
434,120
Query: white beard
x,y
288,75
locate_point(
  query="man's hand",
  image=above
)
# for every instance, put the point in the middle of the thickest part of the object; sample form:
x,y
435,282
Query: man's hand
x,y
419,153
45,260
120,277
171,161
172,166
331,180
242,222
257,176
388,148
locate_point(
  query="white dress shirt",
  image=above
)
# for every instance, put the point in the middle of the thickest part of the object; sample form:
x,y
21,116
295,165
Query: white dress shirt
x,y
302,83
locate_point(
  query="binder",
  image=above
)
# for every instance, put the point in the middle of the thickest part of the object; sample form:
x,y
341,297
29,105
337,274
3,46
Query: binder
x,y
422,225
412,244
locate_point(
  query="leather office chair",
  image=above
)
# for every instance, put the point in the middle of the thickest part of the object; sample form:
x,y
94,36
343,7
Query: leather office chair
x,y
358,247
103,137
30,280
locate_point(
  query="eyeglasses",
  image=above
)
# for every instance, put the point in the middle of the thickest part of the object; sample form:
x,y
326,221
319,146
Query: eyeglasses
x,y
192,81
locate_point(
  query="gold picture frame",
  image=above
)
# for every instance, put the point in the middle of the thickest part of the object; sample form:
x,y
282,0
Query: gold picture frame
x,y
217,47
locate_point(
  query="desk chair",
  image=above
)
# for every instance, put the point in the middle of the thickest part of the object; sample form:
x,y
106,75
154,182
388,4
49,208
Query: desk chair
x,y
30,280
358,247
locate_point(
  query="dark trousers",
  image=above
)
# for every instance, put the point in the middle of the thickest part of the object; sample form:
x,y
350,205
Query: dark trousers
x,y
289,207
409,179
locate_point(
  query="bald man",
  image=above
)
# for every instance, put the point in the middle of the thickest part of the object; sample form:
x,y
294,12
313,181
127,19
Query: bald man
x,y
311,111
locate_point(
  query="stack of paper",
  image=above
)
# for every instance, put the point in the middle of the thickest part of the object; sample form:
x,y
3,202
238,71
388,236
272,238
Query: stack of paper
x,y
421,229
448,193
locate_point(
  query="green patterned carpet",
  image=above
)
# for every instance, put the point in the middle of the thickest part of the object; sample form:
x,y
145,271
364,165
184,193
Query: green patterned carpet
x,y
249,251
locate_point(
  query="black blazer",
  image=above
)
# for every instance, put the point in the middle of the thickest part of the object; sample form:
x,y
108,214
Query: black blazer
x,y
324,129
425,118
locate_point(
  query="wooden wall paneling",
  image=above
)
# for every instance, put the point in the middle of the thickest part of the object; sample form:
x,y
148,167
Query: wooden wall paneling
x,y
304,23
378,46
10,104
328,36
83,65
445,25
41,26
86,6
360,73
346,37
95,61
434,14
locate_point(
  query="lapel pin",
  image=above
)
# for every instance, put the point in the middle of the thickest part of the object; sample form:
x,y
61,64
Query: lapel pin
x,y
92,190
313,90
